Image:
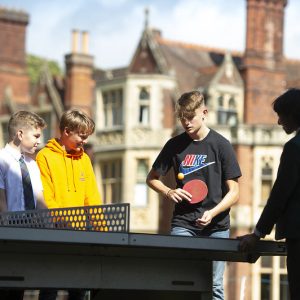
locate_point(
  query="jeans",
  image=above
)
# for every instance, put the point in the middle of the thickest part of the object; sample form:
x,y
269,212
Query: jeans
x,y
218,266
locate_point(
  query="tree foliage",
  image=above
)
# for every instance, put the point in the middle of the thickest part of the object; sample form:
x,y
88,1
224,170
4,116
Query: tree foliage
x,y
35,65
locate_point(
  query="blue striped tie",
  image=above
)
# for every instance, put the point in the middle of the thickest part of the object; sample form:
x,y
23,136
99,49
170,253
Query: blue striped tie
x,y
27,187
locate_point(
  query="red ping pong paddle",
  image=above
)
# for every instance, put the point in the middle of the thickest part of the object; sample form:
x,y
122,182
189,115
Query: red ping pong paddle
x,y
197,188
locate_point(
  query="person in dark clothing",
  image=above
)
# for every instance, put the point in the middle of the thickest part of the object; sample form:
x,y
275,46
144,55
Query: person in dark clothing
x,y
283,205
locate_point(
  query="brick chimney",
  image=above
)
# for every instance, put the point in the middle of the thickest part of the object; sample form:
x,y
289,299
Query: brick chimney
x,y
13,73
79,74
264,72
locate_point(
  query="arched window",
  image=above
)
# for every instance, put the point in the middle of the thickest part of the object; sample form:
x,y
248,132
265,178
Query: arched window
x,y
144,94
227,112
144,106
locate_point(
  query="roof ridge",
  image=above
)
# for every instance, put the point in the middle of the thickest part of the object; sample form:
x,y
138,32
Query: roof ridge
x,y
197,46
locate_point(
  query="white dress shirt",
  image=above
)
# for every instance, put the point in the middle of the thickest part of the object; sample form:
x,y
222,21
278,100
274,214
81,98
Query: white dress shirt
x,y
11,178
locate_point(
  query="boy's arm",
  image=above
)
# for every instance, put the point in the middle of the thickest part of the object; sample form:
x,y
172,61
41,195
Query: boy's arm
x,y
229,199
49,195
40,201
3,202
176,195
156,184
92,193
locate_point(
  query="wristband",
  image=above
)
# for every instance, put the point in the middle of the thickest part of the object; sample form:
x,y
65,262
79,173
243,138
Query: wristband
x,y
167,193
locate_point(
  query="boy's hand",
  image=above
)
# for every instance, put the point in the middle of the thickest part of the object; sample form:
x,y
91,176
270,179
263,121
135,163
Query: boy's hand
x,y
248,242
178,195
205,219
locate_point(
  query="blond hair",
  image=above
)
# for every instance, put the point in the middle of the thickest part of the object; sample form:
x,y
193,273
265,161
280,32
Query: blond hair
x,y
24,120
188,103
76,120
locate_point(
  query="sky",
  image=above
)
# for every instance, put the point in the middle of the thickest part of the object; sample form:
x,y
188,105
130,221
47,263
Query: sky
x,y
115,26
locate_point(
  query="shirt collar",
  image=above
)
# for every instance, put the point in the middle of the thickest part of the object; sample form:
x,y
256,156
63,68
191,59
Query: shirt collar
x,y
13,152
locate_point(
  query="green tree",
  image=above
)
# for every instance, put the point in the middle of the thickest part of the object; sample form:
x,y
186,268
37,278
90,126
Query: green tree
x,y
35,65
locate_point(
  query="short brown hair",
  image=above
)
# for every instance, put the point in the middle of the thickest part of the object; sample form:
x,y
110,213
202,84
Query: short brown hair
x,y
76,120
24,120
188,103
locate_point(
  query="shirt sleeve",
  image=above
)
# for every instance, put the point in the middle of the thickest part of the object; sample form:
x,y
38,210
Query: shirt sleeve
x,y
230,165
163,162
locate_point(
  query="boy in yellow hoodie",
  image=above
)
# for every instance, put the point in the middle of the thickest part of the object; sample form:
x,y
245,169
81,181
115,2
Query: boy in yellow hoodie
x,y
67,174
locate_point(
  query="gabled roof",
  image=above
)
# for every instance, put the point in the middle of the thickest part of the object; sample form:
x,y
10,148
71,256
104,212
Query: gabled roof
x,y
192,65
148,57
228,74
109,74
205,76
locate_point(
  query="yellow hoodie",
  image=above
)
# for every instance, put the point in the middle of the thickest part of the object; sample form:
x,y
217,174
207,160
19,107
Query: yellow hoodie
x,y
68,179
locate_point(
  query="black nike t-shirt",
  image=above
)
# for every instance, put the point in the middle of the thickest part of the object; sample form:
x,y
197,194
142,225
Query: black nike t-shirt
x,y
213,161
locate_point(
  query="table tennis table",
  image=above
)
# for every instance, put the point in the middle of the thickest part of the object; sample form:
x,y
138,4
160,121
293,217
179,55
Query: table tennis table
x,y
119,263
116,262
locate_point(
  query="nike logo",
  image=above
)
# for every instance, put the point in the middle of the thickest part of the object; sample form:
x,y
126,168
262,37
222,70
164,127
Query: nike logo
x,y
193,163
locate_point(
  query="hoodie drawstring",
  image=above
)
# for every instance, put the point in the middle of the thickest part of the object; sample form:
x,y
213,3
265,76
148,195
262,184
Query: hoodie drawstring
x,y
66,169
73,175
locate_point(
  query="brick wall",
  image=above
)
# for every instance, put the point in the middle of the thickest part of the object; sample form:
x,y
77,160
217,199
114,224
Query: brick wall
x,y
12,54
79,82
263,61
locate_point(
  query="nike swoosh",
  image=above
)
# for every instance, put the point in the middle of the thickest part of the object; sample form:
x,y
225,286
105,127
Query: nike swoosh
x,y
194,169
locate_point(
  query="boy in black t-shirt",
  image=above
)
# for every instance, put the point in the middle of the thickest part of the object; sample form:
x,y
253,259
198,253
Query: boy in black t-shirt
x,y
199,153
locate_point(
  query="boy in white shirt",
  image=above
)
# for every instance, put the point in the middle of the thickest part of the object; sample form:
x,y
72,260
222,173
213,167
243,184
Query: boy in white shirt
x,y
20,183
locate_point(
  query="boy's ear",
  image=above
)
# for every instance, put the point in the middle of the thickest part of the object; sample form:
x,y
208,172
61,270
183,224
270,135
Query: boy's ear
x,y
19,134
66,131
